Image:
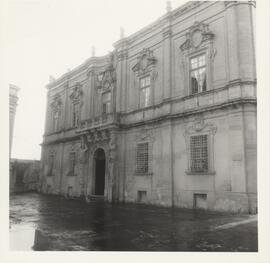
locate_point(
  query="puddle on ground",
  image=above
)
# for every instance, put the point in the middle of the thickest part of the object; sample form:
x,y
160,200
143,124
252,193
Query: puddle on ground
x,y
39,222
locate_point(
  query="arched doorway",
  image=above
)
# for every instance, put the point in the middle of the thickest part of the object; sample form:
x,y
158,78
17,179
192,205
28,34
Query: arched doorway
x,y
100,165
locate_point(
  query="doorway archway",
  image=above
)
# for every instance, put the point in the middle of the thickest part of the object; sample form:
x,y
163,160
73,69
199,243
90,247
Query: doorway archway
x,y
100,166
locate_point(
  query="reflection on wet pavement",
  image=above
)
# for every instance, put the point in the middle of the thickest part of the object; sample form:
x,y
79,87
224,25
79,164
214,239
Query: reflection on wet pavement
x,y
42,222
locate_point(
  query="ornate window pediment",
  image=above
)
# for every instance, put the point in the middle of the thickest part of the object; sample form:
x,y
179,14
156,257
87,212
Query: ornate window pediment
x,y
197,34
145,62
77,93
107,78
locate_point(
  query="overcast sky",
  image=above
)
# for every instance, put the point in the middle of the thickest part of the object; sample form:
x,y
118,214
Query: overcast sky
x,y
46,37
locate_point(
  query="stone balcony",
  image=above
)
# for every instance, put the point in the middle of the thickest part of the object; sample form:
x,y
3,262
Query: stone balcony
x,y
98,122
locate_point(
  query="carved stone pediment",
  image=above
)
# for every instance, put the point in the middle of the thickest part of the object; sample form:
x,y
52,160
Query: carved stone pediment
x,y
145,135
56,103
200,126
107,78
196,35
97,136
145,61
77,93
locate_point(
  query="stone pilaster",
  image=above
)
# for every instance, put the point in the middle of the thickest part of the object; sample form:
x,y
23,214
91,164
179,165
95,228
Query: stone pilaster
x,y
167,60
121,89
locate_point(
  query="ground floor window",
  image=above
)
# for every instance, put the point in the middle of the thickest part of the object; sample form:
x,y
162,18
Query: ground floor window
x,y
142,158
142,196
199,153
200,201
72,162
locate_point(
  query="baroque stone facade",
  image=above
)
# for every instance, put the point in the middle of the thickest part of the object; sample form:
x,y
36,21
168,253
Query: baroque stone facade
x,y
167,118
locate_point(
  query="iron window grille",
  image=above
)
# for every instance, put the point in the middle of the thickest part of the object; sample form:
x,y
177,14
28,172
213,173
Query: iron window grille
x,y
142,166
199,153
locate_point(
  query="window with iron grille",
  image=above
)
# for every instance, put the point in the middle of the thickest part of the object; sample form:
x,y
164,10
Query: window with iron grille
x,y
198,74
145,92
199,153
142,158
72,162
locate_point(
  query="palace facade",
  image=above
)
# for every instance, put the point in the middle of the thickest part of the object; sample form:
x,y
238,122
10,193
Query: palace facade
x,y
167,118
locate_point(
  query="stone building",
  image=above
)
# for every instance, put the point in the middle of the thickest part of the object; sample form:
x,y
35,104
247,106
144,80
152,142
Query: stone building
x,y
24,175
167,118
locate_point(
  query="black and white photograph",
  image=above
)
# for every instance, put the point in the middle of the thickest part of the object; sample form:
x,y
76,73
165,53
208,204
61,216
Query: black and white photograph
x,y
133,128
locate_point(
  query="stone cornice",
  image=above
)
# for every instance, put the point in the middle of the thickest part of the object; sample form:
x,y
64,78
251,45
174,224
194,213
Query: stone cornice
x,y
85,66
159,23
233,103
187,113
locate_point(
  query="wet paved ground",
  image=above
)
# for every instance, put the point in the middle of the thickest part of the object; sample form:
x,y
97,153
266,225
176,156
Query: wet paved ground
x,y
54,223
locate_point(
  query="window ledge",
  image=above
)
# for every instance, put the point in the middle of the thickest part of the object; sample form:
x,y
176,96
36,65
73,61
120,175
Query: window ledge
x,y
189,172
143,174
71,174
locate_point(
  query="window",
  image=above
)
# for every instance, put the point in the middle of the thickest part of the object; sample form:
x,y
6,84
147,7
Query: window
x,y
51,161
72,159
75,115
141,196
199,153
145,92
200,201
51,164
198,74
142,158
106,103
55,121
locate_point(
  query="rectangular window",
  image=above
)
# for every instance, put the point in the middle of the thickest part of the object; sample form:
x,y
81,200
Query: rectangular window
x,y
106,103
199,153
200,201
142,196
55,121
198,74
75,115
142,158
72,159
51,161
145,92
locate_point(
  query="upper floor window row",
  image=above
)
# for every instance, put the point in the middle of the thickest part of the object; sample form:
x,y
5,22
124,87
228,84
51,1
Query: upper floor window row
x,y
145,84
198,74
106,102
